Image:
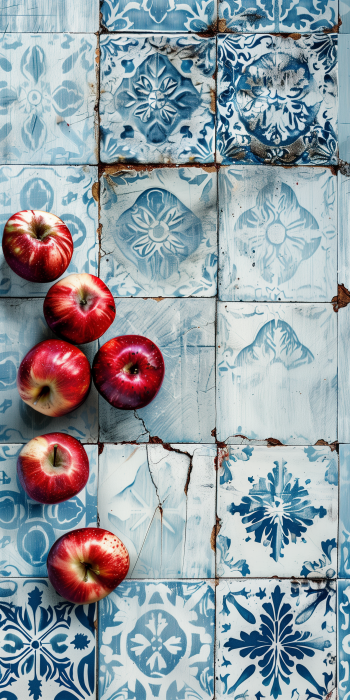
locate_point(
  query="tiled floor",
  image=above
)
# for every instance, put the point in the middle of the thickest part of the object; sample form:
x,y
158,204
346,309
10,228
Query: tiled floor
x,y
199,152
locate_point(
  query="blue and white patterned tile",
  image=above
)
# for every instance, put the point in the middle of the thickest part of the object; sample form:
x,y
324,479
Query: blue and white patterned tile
x,y
344,102
278,234
157,640
344,517
47,99
343,375
277,99
157,99
47,644
49,16
66,191
29,529
22,325
278,509
282,16
159,232
155,16
343,638
161,504
277,373
184,408
276,639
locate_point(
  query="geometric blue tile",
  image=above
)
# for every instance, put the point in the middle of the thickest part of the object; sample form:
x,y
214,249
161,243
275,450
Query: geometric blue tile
x,y
277,234
49,16
161,504
48,94
344,511
343,639
344,101
28,529
159,232
157,99
48,644
174,16
277,99
65,191
157,641
281,16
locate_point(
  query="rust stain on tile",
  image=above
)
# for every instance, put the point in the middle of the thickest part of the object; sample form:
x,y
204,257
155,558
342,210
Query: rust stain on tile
x,y
342,299
96,191
214,533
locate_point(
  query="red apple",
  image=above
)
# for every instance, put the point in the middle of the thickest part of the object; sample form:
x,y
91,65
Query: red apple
x,y
86,565
128,371
54,377
79,308
37,245
53,468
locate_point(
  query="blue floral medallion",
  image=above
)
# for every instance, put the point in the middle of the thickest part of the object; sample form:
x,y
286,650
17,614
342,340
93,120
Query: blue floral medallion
x,y
280,16
158,16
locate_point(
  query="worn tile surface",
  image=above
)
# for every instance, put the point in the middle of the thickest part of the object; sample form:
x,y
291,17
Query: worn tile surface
x,y
153,16
22,325
278,234
344,102
49,16
65,191
278,508
157,99
344,519
343,639
277,99
157,640
183,410
47,644
282,16
344,12
344,227
277,372
159,232
276,639
343,375
29,529
161,504
47,98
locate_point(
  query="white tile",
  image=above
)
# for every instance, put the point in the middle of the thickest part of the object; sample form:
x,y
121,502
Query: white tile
x,y
49,16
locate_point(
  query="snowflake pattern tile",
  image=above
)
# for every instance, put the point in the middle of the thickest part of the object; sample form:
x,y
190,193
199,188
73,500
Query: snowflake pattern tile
x,y
157,640
161,504
157,99
276,639
47,644
65,191
278,234
282,16
47,99
277,372
49,16
29,529
22,325
159,232
278,509
277,99
158,15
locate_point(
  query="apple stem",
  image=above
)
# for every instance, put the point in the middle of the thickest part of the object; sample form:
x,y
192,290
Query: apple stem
x,y
54,454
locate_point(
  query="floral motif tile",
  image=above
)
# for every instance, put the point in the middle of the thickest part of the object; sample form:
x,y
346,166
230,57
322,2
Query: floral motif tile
x,y
276,639
66,191
47,98
157,640
29,529
278,509
47,645
278,234
344,92
161,503
343,375
49,16
159,232
277,99
343,639
277,372
184,408
154,16
157,99
22,325
344,519
282,16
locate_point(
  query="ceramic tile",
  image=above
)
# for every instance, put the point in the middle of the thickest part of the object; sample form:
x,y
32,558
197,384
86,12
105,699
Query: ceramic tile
x,y
281,16
343,639
344,518
153,16
278,508
159,232
277,99
183,410
344,12
161,503
277,372
276,639
343,374
49,16
65,191
47,99
344,226
29,529
278,234
157,99
22,325
344,102
47,644
157,640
